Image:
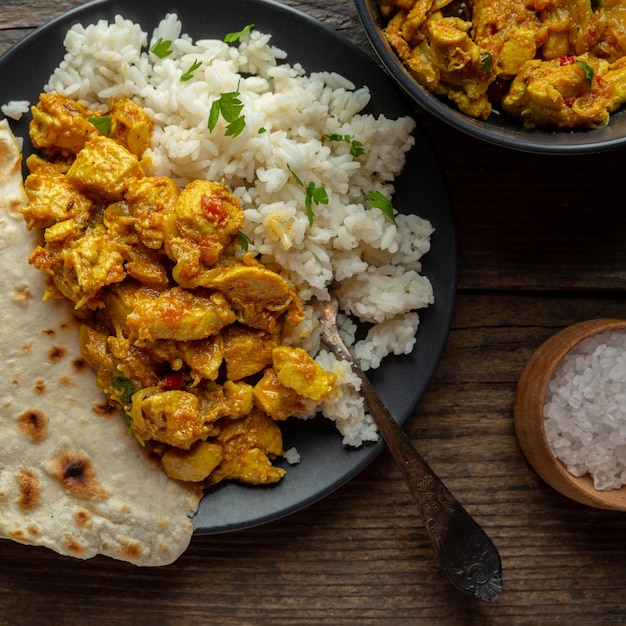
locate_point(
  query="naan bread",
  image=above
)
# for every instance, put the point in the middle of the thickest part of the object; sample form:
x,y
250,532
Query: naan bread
x,y
71,477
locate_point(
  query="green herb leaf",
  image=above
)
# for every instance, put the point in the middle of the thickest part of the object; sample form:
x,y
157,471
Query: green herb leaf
x,y
596,4
378,201
125,385
162,48
214,114
188,75
244,240
486,62
314,194
102,123
589,73
230,107
129,425
356,147
295,176
232,37
262,130
235,128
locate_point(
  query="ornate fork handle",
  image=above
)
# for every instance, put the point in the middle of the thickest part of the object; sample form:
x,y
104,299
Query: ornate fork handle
x,y
465,552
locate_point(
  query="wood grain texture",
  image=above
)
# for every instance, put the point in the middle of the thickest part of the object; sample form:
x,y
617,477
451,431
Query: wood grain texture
x,y
542,244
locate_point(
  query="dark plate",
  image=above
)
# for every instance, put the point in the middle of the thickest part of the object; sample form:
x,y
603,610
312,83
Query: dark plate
x,y
498,129
325,464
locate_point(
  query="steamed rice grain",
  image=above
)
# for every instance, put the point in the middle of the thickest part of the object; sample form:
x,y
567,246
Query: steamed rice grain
x,y
298,132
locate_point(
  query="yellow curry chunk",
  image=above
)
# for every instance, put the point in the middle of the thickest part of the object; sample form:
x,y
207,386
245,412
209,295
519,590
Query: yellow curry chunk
x,y
277,400
298,371
60,124
193,465
206,217
179,314
248,446
516,55
184,330
104,167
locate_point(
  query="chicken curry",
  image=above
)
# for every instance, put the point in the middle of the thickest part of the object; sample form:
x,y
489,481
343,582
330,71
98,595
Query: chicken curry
x,y
550,63
184,329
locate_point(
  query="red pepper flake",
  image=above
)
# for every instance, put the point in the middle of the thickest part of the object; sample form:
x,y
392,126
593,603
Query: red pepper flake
x,y
173,381
567,60
569,101
213,208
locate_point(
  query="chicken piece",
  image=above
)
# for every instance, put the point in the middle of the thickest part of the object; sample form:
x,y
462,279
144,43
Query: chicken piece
x,y
248,444
95,350
278,401
180,315
103,168
556,94
510,30
152,203
193,465
52,198
258,295
298,371
172,417
206,218
119,300
131,126
203,357
612,44
82,266
614,84
60,124
247,351
238,398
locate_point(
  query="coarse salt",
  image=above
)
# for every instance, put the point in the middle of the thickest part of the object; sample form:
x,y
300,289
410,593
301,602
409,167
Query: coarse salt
x,y
585,410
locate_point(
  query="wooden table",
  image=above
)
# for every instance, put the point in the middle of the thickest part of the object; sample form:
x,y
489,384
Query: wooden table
x,y
542,244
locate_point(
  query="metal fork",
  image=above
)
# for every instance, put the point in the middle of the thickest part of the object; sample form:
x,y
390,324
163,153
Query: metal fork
x,y
468,557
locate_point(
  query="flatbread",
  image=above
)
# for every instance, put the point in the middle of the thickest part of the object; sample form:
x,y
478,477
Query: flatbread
x,y
71,477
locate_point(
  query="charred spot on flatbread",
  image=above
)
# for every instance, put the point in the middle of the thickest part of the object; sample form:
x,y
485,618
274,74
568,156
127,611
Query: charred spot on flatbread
x,y
74,547
56,353
83,518
29,489
79,364
34,424
40,386
75,472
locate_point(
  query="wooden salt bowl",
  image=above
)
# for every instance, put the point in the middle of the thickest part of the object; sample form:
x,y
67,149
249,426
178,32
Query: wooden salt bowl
x,y
529,420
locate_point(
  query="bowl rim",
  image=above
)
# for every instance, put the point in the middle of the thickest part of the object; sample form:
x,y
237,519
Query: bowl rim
x,y
495,130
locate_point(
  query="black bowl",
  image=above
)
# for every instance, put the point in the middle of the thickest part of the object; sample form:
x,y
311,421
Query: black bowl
x,y
498,129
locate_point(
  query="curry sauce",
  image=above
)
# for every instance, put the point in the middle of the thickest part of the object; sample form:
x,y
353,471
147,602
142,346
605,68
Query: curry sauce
x,y
185,331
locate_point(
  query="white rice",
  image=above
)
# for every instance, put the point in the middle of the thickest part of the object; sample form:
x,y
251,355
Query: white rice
x,y
373,263
585,410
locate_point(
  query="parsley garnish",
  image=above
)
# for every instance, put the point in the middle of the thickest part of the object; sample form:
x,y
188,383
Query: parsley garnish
x,y
314,194
230,107
356,147
162,48
262,130
232,37
244,240
188,75
378,201
589,73
486,62
102,123
125,385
